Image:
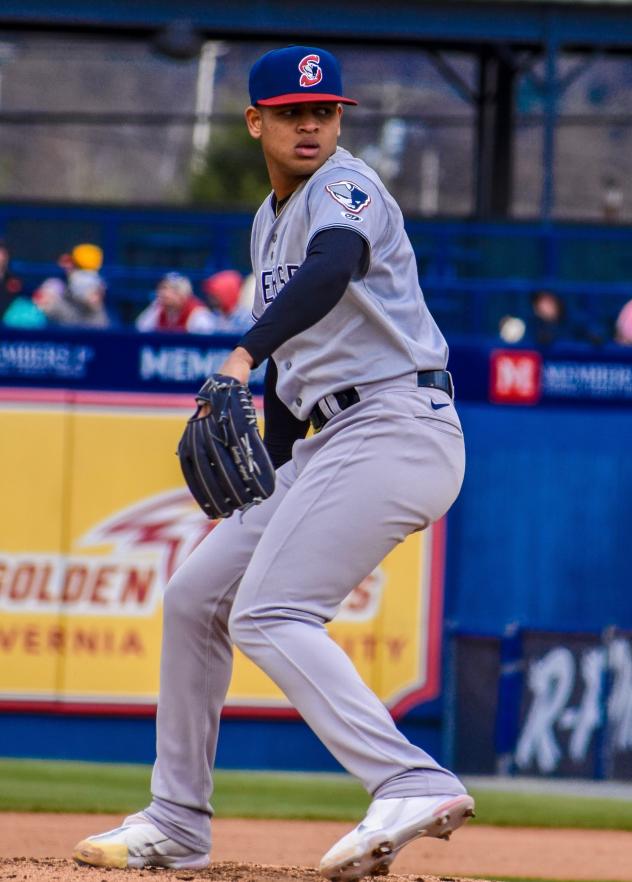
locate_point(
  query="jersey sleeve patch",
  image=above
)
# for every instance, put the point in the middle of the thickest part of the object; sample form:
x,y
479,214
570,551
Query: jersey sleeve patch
x,y
346,193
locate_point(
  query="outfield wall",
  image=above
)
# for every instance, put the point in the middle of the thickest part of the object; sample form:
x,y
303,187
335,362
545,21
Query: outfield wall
x,y
95,517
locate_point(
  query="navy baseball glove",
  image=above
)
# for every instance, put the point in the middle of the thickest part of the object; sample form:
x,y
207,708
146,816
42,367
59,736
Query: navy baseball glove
x,y
222,455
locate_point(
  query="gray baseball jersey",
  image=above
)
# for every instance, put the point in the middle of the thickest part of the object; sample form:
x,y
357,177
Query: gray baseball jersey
x,y
381,328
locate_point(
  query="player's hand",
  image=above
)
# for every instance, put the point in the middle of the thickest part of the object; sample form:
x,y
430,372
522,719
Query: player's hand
x,y
238,365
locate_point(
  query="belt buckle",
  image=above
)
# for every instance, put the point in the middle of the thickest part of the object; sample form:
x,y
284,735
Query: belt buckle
x,y
450,385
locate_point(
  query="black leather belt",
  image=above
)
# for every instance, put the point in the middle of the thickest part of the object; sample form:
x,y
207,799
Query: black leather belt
x,y
327,408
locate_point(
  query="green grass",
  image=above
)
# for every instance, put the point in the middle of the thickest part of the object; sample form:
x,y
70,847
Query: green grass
x,y
552,810
28,785
38,786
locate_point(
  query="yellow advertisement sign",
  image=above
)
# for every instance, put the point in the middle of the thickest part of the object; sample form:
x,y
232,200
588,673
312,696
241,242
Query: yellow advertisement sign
x,y
96,519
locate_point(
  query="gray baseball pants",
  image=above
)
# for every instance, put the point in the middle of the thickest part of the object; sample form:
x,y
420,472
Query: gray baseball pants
x,y
268,582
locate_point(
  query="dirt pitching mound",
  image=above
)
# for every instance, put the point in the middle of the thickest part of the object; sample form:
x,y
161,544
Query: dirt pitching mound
x,y
51,870
38,847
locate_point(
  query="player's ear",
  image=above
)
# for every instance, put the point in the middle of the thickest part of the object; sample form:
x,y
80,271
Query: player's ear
x,y
253,121
339,111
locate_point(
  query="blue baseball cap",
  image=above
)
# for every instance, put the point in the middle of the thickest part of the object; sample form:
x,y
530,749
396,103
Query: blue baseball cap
x,y
294,75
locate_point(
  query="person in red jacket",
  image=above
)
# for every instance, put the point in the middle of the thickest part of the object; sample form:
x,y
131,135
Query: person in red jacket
x,y
224,292
175,308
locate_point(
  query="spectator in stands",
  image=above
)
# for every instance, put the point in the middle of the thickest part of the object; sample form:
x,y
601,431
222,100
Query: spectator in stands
x,y
175,308
85,256
80,303
549,321
223,291
623,325
544,324
23,313
10,285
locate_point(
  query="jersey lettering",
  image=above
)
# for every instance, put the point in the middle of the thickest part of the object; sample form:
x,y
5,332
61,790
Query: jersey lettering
x,y
274,280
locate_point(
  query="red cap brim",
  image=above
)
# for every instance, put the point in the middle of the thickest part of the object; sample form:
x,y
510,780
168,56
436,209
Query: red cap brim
x,y
303,98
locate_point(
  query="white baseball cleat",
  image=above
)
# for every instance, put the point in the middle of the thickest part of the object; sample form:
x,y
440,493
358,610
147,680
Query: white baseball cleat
x,y
389,825
137,844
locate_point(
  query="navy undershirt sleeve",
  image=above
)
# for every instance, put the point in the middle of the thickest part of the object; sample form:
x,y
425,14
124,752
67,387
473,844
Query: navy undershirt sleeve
x,y
281,427
334,257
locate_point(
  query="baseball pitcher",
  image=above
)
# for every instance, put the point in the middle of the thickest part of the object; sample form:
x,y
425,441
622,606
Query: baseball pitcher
x,y
351,349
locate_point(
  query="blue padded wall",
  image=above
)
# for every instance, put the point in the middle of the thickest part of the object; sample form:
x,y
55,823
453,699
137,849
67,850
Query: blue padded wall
x,y
540,534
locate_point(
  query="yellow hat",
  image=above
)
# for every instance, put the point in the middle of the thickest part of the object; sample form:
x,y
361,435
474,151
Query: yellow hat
x,y
87,257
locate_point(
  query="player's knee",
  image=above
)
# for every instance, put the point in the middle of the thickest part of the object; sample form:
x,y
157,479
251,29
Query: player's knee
x,y
247,627
254,629
198,598
173,601
183,602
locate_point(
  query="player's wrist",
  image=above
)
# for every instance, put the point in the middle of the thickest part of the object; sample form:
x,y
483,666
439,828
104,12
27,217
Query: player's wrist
x,y
243,355
238,365
249,345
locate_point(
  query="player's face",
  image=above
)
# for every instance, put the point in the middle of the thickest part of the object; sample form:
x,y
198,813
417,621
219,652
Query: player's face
x,y
296,139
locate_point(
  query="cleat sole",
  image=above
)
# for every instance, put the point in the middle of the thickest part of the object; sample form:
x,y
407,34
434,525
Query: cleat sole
x,y
91,855
374,856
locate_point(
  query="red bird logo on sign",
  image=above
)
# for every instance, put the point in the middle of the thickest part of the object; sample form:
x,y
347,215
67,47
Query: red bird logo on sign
x,y
165,522
311,73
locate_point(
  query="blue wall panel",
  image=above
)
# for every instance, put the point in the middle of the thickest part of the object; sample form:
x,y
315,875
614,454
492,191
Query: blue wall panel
x,y
243,744
540,533
45,736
